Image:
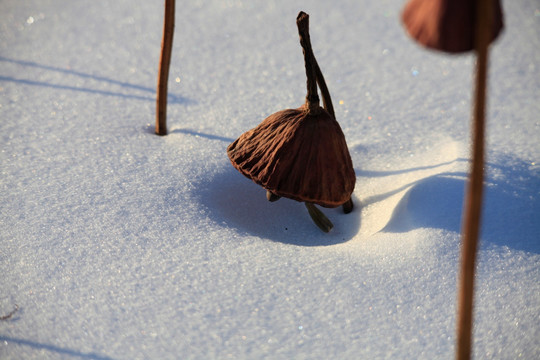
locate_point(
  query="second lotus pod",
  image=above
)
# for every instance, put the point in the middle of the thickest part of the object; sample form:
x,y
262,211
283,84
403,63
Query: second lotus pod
x,y
300,153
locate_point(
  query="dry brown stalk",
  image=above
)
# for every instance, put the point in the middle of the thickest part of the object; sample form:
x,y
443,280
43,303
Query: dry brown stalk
x,y
473,203
164,64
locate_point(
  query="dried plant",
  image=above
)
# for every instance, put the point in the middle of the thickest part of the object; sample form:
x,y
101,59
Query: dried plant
x,y
300,153
164,64
457,26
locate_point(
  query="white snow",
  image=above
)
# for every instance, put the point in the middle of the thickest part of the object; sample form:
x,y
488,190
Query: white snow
x,y
119,244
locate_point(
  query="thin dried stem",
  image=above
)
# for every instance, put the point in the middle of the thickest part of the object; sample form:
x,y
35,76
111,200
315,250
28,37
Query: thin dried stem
x,y
319,218
471,223
164,64
348,206
10,314
327,100
312,97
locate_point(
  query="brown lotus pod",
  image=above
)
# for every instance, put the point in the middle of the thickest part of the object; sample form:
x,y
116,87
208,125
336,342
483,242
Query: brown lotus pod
x,y
447,25
300,153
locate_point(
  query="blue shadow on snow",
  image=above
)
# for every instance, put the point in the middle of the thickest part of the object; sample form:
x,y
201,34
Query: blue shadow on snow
x,y
237,202
511,207
171,98
54,349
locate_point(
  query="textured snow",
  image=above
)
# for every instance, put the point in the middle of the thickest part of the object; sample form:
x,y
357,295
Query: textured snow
x,y
119,244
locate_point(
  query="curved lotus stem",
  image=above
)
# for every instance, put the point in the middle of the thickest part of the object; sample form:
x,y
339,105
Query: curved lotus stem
x,y
312,97
473,207
327,100
319,218
164,63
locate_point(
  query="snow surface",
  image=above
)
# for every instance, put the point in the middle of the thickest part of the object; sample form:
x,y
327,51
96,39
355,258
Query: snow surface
x,y
119,244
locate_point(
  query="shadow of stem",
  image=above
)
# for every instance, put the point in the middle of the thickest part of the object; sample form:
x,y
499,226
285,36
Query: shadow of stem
x,y
52,348
172,98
